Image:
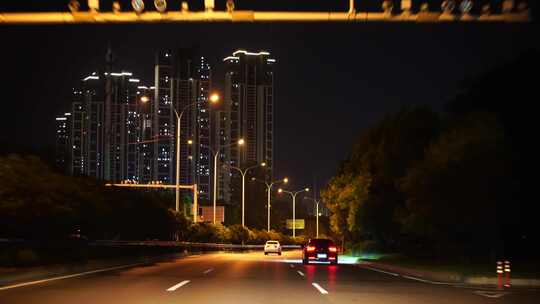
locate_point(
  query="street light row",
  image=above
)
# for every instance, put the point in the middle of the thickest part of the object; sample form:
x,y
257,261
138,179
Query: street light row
x,y
214,98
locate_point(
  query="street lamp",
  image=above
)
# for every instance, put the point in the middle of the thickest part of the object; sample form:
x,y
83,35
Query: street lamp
x,y
178,126
243,173
317,201
293,195
145,99
216,153
268,190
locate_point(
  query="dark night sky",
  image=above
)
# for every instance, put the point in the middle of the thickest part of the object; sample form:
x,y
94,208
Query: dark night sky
x,y
332,80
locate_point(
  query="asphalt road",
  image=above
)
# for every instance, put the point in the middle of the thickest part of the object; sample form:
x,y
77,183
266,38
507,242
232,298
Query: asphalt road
x,y
250,278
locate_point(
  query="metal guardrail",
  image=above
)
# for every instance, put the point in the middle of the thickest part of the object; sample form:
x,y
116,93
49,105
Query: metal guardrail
x,y
116,243
184,244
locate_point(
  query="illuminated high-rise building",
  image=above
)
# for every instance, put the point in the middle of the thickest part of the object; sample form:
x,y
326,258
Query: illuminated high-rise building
x,y
249,103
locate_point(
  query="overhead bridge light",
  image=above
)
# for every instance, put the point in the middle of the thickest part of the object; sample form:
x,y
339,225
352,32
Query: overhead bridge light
x,y
161,5
387,6
465,6
93,5
116,7
74,6
507,6
448,6
406,6
138,6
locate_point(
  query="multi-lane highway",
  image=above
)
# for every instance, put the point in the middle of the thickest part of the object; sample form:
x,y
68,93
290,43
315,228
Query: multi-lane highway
x,y
250,278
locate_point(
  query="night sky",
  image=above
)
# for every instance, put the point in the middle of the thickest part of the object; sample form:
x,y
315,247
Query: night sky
x,y
331,80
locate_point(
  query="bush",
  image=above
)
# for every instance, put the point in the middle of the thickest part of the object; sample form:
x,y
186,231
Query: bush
x,y
26,257
238,234
276,236
258,236
365,247
222,233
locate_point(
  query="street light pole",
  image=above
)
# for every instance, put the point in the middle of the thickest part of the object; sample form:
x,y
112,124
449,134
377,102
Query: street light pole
x,y
216,153
214,198
317,210
213,99
268,190
243,173
293,195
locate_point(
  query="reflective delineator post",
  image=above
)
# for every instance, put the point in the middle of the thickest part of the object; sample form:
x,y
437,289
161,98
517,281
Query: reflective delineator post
x,y
507,272
499,274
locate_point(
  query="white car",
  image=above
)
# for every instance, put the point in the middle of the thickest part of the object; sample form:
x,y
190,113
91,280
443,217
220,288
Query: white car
x,y
272,247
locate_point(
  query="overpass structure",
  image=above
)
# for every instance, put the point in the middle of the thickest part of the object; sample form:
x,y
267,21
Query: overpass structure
x,y
451,11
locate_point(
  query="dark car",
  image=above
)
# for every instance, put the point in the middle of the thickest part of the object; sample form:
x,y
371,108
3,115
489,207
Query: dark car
x,y
322,250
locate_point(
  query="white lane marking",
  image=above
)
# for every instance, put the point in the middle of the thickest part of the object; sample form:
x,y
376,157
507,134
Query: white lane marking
x,y
175,287
300,273
69,276
382,271
407,277
489,294
208,271
319,288
425,281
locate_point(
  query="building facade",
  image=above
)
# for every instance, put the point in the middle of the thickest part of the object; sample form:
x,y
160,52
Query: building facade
x,y
182,87
62,145
249,101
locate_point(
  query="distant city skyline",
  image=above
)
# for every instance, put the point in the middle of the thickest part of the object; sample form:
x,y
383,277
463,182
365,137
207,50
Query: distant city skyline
x,y
121,128
369,70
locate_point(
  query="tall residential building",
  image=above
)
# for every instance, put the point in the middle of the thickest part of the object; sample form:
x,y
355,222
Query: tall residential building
x,y
87,128
63,142
249,100
105,129
146,140
182,80
121,126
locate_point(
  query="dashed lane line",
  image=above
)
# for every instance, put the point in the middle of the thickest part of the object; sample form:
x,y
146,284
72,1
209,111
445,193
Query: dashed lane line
x,y
208,271
319,288
175,287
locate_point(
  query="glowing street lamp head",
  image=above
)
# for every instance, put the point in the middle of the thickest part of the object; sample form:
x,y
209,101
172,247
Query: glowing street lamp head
x,y
263,164
138,6
285,180
214,98
190,142
307,189
145,99
241,141
280,190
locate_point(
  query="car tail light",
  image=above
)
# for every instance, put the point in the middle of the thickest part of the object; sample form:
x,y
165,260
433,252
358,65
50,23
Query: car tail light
x,y
310,248
332,249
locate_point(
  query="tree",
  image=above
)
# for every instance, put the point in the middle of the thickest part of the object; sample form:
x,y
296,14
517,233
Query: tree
x,y
454,194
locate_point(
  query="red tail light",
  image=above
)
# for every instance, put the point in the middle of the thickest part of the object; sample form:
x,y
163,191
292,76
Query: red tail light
x,y
332,249
310,248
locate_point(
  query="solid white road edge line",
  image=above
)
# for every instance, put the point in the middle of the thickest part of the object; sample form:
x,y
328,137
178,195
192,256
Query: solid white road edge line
x,y
425,281
407,277
208,270
382,271
300,273
319,288
68,276
175,287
